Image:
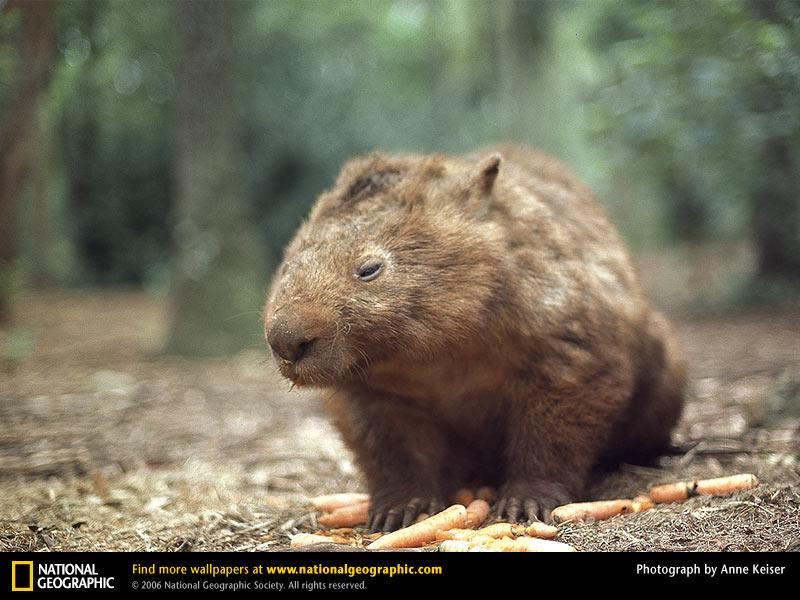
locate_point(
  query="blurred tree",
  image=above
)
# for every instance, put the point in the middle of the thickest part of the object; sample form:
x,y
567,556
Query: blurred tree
x,y
323,81
776,94
703,96
111,105
219,272
22,143
690,107
520,56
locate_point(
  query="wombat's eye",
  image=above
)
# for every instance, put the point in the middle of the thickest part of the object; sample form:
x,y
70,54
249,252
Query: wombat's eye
x,y
370,269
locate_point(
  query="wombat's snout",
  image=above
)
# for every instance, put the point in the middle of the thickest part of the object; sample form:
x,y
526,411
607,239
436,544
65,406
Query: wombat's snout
x,y
289,337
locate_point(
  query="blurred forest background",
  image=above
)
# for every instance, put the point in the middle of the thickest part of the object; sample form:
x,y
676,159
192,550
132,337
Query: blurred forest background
x,y
156,156
176,146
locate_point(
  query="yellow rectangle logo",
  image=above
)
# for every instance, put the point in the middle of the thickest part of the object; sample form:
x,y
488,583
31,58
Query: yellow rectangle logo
x,y
25,584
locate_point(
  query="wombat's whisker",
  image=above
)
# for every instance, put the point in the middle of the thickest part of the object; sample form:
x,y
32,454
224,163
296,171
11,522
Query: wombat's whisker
x,y
242,314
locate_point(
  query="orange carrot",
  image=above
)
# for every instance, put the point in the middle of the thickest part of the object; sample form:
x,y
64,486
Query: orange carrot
x,y
464,496
521,544
496,530
528,544
302,540
346,516
331,502
477,511
486,493
456,534
641,503
421,533
727,485
672,492
499,530
721,486
599,510
477,541
454,546
541,530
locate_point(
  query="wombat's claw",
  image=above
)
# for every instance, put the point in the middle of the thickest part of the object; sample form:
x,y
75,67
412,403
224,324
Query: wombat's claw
x,y
512,507
533,501
386,520
402,514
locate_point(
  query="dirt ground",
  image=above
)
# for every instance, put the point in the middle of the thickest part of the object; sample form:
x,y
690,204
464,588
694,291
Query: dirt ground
x,y
105,445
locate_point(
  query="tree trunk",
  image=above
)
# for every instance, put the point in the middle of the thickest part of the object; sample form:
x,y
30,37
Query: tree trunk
x,y
776,199
219,274
776,214
18,130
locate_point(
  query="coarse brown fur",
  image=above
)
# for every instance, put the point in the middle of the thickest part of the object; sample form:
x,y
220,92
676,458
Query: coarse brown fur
x,y
504,340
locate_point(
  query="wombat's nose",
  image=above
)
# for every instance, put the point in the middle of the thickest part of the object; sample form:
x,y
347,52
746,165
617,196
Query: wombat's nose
x,y
288,338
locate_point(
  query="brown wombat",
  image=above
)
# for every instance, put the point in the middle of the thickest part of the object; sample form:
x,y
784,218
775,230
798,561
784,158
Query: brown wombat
x,y
473,320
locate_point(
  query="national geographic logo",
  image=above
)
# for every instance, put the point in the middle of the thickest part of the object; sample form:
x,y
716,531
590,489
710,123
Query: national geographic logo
x,y
25,577
21,575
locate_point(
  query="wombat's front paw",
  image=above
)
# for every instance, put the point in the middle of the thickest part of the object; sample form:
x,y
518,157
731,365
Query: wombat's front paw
x,y
531,499
392,512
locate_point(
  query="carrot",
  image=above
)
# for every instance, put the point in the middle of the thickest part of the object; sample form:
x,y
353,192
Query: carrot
x,y
602,509
476,541
721,486
672,492
530,544
521,544
541,530
454,546
477,511
641,503
421,533
486,493
499,530
302,540
346,516
456,534
331,502
464,496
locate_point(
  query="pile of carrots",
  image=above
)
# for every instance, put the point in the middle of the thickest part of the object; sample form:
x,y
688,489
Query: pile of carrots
x,y
457,528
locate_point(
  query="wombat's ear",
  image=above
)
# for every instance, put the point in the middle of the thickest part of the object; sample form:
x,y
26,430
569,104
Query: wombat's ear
x,y
487,171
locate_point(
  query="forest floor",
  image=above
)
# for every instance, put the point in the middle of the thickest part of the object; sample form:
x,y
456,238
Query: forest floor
x,y
107,445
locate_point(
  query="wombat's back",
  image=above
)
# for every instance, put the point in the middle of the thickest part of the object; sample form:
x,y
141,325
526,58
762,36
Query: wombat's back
x,y
578,288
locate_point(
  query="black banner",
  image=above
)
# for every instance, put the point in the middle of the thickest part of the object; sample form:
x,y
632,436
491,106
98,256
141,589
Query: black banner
x,y
352,572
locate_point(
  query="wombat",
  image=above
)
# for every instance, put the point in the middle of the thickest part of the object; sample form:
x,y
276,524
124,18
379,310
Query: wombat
x,y
473,320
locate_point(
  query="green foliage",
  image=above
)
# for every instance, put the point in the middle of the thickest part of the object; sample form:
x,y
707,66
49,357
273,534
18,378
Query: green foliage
x,y
9,24
674,112
10,287
321,82
692,92
111,106
16,345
